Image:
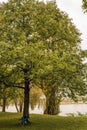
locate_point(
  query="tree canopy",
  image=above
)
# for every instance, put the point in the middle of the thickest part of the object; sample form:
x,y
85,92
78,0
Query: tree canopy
x,y
84,5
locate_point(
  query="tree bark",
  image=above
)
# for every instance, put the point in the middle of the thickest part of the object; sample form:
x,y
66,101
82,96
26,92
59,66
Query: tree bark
x,y
20,106
25,118
16,106
4,104
52,103
26,97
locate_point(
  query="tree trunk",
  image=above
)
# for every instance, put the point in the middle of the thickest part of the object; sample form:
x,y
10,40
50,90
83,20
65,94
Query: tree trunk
x,y
4,104
50,108
16,106
26,119
52,103
20,106
26,98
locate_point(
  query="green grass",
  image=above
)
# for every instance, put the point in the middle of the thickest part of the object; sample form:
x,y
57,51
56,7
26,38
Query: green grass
x,y
9,121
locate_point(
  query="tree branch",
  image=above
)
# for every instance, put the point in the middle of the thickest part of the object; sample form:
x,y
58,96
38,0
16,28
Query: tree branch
x,y
18,87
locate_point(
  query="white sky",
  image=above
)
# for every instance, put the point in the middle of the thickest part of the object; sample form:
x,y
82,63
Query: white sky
x,y
74,9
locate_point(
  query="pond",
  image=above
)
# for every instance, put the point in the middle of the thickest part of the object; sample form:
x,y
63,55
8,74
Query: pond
x,y
73,108
64,109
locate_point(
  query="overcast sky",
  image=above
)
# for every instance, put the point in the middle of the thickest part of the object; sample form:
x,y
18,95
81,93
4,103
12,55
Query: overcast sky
x,y
74,9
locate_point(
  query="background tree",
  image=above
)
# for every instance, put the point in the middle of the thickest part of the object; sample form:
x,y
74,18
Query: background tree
x,y
17,98
84,5
35,95
4,97
65,78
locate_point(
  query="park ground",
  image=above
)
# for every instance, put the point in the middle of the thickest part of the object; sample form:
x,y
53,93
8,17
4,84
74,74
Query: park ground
x,y
9,121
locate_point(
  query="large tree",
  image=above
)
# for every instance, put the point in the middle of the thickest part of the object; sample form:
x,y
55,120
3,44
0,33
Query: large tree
x,y
65,74
21,52
65,78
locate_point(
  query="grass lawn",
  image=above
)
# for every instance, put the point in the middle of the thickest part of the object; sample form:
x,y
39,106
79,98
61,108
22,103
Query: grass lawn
x,y
9,121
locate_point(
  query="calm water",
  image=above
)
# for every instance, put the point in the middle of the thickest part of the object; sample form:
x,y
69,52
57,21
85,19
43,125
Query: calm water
x,y
73,108
64,109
